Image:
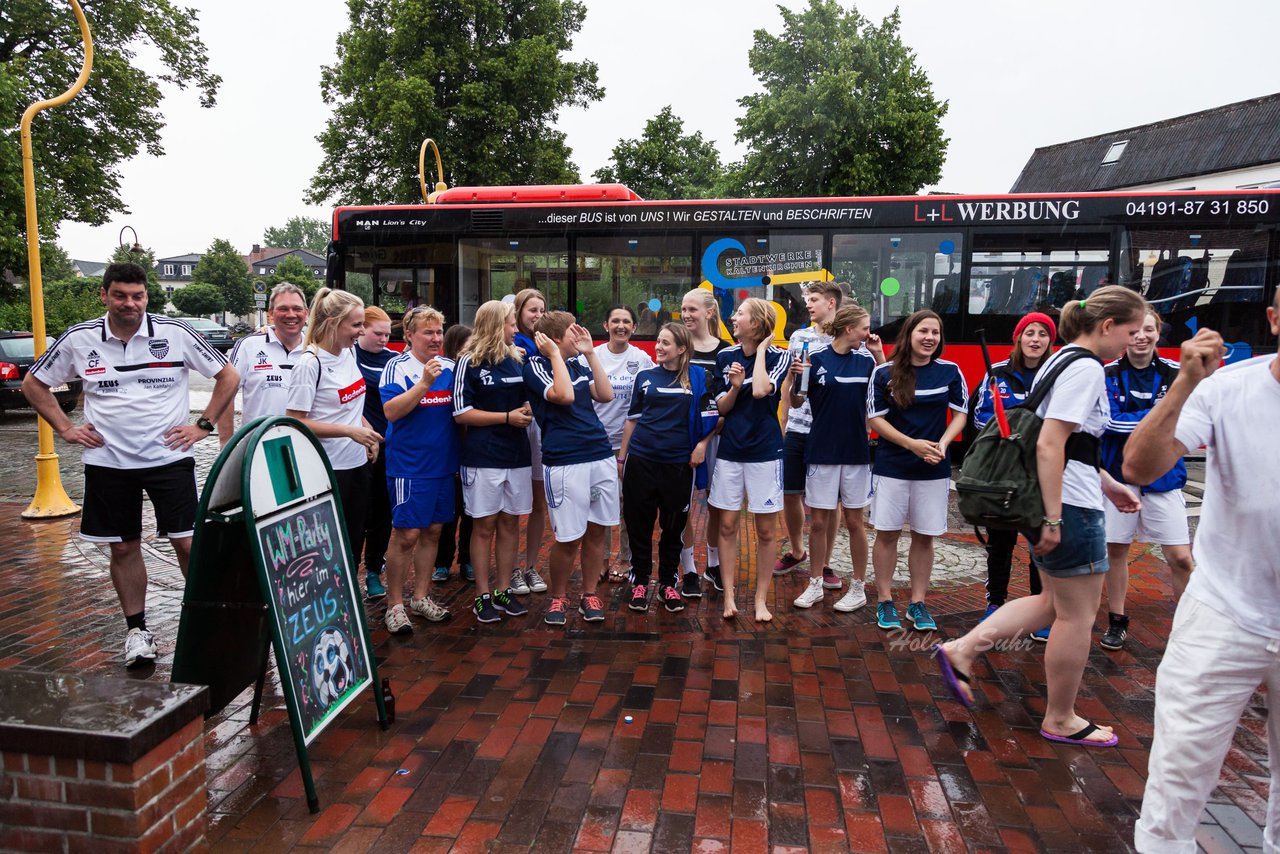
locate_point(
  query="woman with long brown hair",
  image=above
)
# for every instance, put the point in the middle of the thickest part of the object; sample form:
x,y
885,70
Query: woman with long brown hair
x,y
530,305
907,405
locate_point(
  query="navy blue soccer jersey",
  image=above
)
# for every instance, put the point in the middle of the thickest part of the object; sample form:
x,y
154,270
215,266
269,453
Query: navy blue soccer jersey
x,y
751,433
939,386
423,443
660,410
838,387
570,434
525,343
491,388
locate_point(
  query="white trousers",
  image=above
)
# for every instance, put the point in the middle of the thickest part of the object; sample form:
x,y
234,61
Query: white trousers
x,y
1210,671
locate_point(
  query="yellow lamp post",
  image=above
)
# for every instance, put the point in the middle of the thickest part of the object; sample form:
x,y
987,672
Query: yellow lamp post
x,y
441,186
51,499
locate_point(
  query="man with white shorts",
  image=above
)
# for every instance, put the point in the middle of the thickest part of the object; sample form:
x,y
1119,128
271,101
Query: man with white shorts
x,y
1226,631
1136,382
580,472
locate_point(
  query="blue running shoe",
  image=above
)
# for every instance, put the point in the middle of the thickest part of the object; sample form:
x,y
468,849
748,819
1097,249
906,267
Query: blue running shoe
x,y
373,586
441,574
887,616
1040,635
467,572
991,609
555,615
505,601
920,617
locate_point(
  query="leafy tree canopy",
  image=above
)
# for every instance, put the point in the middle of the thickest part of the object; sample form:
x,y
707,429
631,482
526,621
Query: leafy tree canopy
x,y
198,299
845,110
224,268
485,78
300,232
293,269
665,163
79,146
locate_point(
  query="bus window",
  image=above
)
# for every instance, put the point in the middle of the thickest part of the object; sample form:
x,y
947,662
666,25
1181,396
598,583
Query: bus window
x,y
770,265
893,274
493,268
1013,274
650,274
1208,277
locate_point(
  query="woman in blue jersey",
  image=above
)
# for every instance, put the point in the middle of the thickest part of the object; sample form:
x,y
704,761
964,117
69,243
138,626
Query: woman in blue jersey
x,y
908,403
530,305
1033,339
489,399
837,456
659,454
748,386
1070,546
422,459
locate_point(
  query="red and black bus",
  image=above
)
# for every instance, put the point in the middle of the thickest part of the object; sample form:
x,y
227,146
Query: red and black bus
x,y
1207,259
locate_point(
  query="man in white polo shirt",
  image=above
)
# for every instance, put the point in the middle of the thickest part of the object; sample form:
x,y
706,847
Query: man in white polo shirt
x,y
264,359
135,433
1226,631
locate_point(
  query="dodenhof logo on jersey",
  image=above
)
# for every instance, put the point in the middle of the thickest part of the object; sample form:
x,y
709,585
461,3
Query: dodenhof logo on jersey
x,y
443,397
351,392
159,347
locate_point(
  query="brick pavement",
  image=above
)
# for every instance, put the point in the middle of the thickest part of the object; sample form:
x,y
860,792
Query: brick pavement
x,y
817,732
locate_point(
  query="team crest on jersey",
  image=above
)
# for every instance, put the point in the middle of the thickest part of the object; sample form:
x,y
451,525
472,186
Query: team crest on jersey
x,y
159,347
633,366
93,364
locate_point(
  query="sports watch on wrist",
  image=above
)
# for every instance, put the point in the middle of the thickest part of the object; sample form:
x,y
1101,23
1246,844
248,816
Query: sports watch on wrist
x,y
204,424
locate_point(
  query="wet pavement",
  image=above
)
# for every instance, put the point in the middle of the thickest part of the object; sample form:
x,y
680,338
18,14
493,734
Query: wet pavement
x,y
651,732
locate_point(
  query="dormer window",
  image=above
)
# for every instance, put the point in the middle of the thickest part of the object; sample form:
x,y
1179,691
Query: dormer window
x,y
1114,152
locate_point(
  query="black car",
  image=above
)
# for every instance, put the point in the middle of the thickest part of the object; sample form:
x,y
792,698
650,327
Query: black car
x,y
17,355
218,336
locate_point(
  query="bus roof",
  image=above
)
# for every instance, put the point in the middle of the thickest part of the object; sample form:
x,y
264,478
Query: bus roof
x,y
538,194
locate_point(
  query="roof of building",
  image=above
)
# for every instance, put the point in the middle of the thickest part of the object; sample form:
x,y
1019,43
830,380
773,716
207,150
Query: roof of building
x,y
90,269
258,253
189,258
308,257
1233,136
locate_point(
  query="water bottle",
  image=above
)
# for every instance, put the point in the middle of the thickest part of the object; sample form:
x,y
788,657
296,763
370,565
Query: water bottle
x,y
804,374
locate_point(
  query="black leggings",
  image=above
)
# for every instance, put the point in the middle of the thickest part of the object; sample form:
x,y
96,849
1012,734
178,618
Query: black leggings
x,y
377,524
353,488
658,491
1000,545
455,535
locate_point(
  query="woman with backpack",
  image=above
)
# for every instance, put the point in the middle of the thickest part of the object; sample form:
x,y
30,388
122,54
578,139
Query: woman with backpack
x,y
1069,547
907,405
1011,379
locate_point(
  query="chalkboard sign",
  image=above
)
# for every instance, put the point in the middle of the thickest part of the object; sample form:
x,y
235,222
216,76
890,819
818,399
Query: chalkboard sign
x,y
325,664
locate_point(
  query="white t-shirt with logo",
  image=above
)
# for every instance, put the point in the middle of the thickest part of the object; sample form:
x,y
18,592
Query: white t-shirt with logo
x,y
134,391
800,418
621,369
1235,413
1078,396
331,389
264,365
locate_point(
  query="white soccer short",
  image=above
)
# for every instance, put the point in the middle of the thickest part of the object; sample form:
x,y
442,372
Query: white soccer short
x,y
534,432
827,486
580,493
761,482
1162,520
486,491
920,503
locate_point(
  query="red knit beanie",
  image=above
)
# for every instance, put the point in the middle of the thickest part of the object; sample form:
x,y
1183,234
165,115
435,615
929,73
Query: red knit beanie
x,y
1036,317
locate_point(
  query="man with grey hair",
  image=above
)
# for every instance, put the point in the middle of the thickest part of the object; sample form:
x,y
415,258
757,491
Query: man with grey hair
x,y
264,359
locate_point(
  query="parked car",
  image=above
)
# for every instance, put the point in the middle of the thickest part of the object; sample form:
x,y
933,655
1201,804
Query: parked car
x,y
17,355
218,336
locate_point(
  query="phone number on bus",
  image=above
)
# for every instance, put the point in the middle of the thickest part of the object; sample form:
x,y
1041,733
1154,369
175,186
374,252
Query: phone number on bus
x,y
1212,207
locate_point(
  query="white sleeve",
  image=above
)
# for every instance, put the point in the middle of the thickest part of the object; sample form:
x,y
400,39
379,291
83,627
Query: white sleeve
x,y
1075,392
1195,422
57,364
303,380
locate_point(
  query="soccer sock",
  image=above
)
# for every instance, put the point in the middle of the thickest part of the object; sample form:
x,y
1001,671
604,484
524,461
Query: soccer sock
x,y
137,621
713,556
686,561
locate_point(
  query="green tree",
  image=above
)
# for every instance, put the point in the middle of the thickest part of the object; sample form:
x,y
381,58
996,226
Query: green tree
x,y
198,299
224,268
66,303
300,232
845,110
146,259
485,78
665,163
79,147
293,269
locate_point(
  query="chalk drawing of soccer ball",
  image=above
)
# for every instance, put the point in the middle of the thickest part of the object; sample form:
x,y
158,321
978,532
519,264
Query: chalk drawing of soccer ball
x,y
332,665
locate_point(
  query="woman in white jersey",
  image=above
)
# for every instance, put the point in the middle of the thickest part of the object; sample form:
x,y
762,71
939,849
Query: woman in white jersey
x,y
326,393
1070,548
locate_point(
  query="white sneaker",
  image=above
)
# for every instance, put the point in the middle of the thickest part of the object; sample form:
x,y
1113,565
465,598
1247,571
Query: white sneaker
x,y
854,599
812,594
519,586
397,621
427,609
139,648
535,582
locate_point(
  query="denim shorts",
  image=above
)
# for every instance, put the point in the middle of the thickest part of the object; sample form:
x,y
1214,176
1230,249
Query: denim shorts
x,y
1083,549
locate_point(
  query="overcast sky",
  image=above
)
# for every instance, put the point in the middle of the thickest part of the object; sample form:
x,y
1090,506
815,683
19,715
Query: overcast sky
x,y
1017,75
